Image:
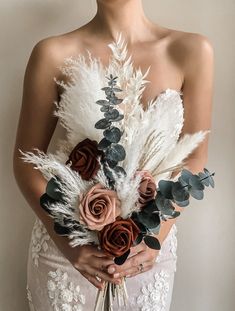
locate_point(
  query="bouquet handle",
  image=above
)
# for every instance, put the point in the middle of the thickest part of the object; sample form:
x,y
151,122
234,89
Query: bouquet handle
x,y
105,297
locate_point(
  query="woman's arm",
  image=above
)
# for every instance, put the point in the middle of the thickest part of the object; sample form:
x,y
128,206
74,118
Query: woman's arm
x,y
35,129
36,122
198,66
197,98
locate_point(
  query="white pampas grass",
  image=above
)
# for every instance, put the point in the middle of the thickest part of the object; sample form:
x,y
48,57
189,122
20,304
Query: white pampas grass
x,y
181,151
79,237
73,185
77,109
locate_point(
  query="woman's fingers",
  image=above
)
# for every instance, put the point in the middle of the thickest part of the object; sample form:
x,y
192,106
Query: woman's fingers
x,y
93,280
142,257
101,264
137,270
133,261
137,249
103,275
96,251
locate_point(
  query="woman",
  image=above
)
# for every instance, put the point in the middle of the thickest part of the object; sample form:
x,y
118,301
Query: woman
x,y
64,278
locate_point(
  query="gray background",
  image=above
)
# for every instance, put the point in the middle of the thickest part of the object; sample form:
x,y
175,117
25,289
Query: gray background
x,y
205,275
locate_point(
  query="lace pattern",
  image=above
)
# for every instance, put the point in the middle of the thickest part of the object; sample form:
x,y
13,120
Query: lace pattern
x,y
169,246
39,240
29,298
154,295
64,295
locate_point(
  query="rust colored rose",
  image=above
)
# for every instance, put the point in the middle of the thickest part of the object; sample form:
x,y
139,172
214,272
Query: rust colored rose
x,y
117,238
84,160
147,188
99,207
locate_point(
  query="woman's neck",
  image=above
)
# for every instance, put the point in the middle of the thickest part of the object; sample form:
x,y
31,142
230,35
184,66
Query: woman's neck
x,y
126,16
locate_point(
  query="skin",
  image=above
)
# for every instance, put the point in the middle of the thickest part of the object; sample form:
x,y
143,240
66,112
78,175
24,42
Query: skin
x,y
179,60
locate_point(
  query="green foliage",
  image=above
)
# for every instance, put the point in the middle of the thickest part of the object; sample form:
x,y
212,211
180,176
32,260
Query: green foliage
x,y
152,242
161,208
180,191
53,189
121,259
113,151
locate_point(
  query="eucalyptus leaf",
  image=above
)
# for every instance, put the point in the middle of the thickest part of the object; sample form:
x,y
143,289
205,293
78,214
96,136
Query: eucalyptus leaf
x,y
202,175
112,163
109,174
113,134
197,194
203,179
121,259
61,230
116,89
165,186
118,118
152,242
167,211
159,200
116,153
111,77
150,207
175,214
210,178
102,124
141,226
182,203
103,144
108,91
106,88
182,181
119,171
117,101
138,239
112,98
150,221
164,205
179,193
104,108
155,230
45,200
112,114
196,183
102,102
53,189
185,175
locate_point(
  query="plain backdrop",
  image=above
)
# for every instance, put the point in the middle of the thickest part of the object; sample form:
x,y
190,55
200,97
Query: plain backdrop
x,y
205,277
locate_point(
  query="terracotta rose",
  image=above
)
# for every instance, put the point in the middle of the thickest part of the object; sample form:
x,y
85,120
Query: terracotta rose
x,y
147,188
117,238
84,158
99,207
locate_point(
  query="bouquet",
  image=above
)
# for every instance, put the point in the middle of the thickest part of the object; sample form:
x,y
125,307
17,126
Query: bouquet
x,y
108,183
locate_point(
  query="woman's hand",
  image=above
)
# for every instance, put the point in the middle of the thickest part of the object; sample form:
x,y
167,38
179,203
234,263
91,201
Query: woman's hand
x,y
92,263
141,259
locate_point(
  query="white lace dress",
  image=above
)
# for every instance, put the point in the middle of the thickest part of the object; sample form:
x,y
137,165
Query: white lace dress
x,y
54,285
52,282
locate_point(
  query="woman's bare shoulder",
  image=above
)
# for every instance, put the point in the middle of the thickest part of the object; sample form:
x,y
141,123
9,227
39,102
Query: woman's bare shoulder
x,y
53,49
189,40
187,47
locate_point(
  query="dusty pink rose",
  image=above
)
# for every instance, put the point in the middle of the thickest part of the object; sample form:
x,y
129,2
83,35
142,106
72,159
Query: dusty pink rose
x,y
99,207
147,188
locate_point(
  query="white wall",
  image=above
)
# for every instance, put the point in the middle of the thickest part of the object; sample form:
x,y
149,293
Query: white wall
x,y
205,276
